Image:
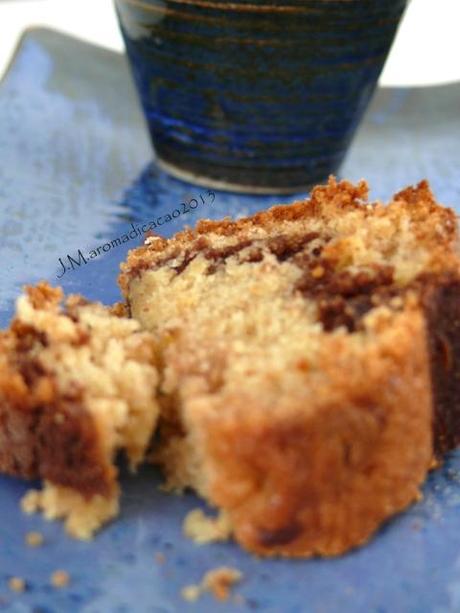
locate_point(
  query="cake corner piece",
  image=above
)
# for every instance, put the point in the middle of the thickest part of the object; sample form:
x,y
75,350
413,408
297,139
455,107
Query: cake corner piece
x,y
305,357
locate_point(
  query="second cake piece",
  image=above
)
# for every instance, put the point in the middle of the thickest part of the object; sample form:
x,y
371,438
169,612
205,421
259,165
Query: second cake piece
x,y
78,383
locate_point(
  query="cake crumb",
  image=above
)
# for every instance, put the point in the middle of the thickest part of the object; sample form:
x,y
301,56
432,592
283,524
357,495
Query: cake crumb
x,y
218,581
191,593
30,502
17,584
34,539
160,557
60,578
203,529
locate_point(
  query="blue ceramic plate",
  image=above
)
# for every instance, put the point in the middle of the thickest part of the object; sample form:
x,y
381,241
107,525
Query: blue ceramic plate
x,y
74,175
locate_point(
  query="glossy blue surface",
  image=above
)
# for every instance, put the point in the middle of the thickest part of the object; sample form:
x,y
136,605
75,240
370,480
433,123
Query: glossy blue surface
x,y
255,93
75,172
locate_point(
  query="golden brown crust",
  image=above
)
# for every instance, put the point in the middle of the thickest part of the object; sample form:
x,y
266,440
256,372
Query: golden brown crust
x,y
320,482
435,227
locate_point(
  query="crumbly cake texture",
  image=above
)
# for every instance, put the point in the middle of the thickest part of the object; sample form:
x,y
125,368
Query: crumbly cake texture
x,y
218,581
309,361
78,383
203,529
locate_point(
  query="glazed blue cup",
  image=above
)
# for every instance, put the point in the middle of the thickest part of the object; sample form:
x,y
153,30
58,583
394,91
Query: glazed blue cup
x,y
259,96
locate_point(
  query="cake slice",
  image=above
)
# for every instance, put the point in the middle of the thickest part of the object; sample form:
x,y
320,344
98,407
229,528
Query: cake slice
x,y
78,383
309,361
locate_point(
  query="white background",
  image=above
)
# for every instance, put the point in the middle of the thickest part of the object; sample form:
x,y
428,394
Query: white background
x,y
426,51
